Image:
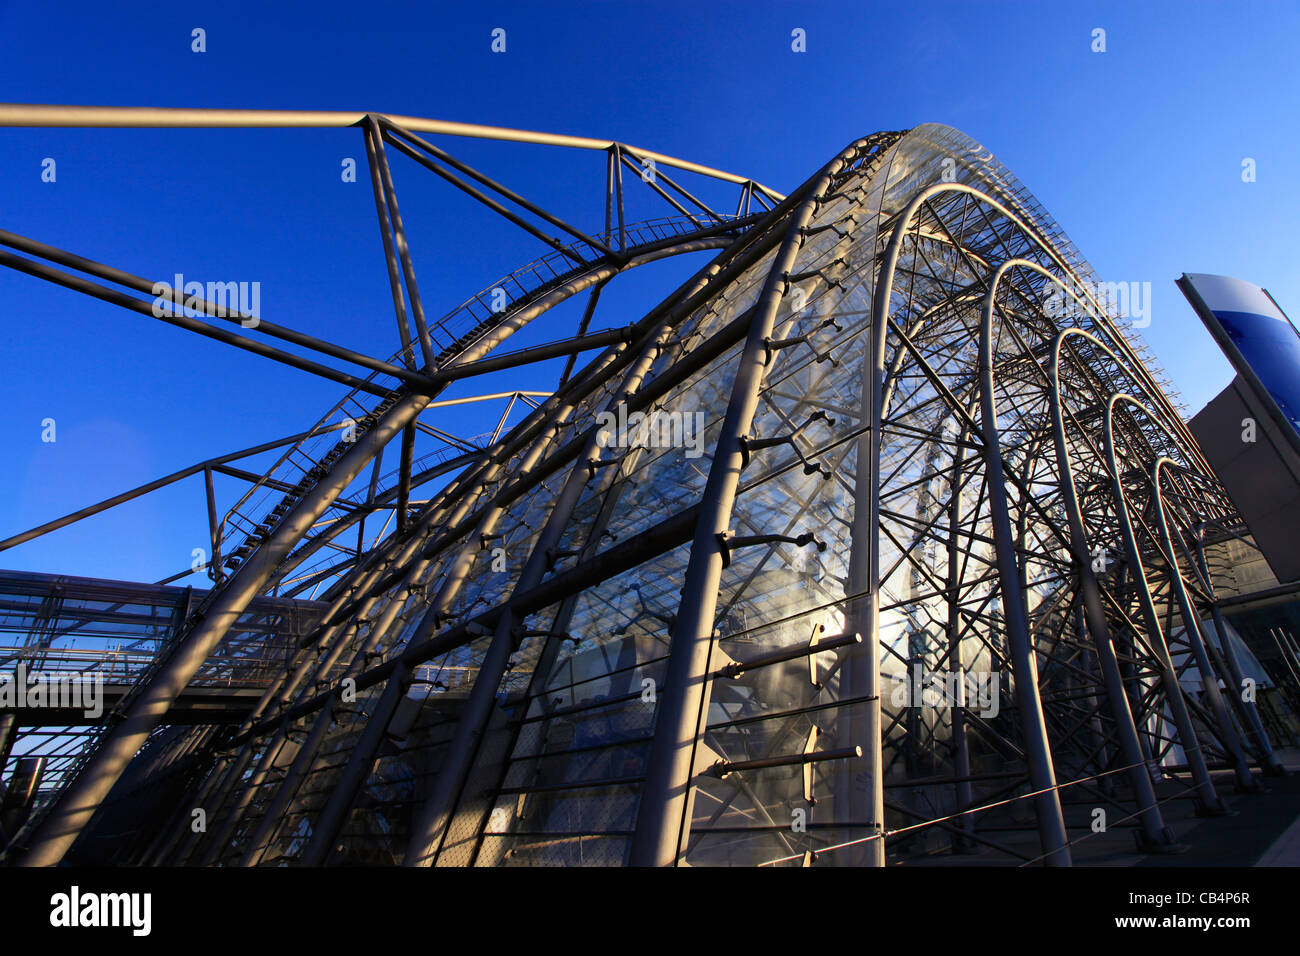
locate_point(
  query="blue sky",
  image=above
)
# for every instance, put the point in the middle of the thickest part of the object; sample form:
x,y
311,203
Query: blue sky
x,y
1136,152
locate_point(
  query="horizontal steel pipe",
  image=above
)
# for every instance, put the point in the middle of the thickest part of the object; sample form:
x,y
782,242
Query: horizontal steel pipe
x,y
147,117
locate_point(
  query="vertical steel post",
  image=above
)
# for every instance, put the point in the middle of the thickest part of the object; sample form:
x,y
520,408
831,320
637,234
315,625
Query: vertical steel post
x,y
8,733
214,528
1153,830
403,250
1263,748
618,193
960,744
1206,797
404,477
371,133
661,827
429,830
609,195
1033,725
1192,631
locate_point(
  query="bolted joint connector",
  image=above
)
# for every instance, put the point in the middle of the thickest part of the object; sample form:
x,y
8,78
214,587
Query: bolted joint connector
x,y
554,555
728,541
771,345
749,445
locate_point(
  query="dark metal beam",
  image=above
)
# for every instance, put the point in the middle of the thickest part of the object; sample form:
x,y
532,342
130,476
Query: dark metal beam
x,y
197,304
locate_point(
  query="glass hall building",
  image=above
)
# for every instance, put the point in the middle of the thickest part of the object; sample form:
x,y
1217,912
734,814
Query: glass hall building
x,y
880,539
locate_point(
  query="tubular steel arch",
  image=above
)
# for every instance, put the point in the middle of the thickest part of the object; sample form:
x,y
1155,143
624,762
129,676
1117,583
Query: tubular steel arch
x,y
810,563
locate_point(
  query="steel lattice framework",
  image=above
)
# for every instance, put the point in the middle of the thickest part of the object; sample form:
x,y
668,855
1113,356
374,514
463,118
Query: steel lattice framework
x,y
590,648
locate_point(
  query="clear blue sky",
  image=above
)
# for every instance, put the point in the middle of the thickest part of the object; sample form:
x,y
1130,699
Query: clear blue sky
x,y
1137,153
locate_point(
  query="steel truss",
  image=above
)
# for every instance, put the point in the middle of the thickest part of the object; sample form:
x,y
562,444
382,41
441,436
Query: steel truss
x,y
585,649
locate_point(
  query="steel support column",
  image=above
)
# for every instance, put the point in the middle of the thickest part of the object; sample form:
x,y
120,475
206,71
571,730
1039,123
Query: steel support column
x,y
1192,631
325,827
960,743
661,827
1153,830
66,818
8,733
1038,753
1255,727
1206,796
428,833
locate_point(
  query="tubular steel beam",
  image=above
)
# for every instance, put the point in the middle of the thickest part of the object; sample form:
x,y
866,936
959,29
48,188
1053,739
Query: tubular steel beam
x,y
193,303
1255,726
371,134
113,296
428,832
661,827
497,187
214,527
538,353
960,741
1029,706
147,117
1192,630
488,201
1154,832
616,152
403,250
107,503
1206,796
404,476
78,803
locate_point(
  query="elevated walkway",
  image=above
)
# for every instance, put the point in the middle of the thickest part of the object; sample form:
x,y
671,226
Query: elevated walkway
x,y
100,637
